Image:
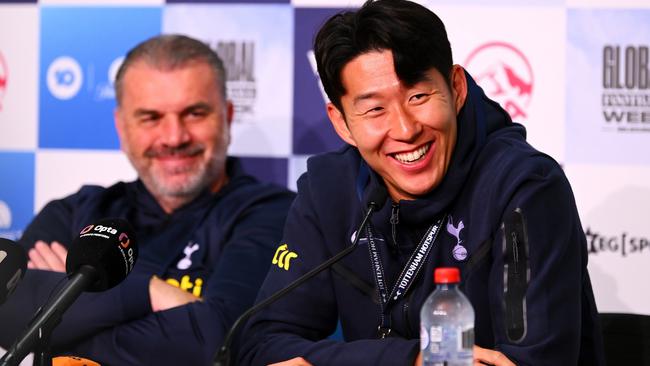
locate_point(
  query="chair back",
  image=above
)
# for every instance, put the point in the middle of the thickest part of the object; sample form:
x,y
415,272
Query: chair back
x,y
626,338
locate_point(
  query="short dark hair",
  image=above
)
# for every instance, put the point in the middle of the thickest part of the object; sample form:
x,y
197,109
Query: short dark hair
x,y
168,52
414,34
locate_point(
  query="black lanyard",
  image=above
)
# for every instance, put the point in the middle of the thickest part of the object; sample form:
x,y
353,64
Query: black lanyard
x,y
406,278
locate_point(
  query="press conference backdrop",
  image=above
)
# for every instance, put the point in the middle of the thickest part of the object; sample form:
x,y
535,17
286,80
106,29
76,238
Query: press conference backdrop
x,y
576,73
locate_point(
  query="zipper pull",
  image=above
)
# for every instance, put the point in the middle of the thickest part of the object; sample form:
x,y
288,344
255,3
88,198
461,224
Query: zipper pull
x,y
394,220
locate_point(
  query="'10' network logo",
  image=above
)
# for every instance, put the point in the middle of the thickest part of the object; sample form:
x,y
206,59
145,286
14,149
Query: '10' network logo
x,y
64,77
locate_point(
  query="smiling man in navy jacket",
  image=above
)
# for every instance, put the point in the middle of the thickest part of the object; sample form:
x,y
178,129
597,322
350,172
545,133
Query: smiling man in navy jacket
x,y
206,230
456,168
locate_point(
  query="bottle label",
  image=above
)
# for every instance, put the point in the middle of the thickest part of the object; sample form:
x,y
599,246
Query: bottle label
x,y
449,346
435,338
435,333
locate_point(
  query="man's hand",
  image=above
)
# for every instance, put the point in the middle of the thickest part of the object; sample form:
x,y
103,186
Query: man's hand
x,y
482,357
164,296
298,361
418,361
47,257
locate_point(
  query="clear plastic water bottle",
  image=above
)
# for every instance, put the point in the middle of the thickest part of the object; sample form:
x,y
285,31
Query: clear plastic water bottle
x,y
447,323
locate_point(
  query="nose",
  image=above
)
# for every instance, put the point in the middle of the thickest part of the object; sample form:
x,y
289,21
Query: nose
x,y
403,125
174,132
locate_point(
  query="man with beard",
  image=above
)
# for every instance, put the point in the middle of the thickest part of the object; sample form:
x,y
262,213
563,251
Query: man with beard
x,y
206,230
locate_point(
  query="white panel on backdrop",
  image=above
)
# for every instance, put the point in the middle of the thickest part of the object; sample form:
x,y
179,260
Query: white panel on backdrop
x,y
613,202
27,361
256,44
517,64
18,76
103,2
328,3
608,85
358,3
60,173
297,166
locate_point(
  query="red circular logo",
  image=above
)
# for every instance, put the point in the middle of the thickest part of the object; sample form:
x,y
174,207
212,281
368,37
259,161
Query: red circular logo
x,y
4,75
505,75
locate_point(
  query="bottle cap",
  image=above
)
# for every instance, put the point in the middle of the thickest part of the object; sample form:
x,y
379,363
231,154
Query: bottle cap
x,y
446,275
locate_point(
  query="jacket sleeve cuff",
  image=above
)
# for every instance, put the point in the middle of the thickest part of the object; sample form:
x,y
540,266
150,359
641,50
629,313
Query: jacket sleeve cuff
x,y
402,349
414,352
134,294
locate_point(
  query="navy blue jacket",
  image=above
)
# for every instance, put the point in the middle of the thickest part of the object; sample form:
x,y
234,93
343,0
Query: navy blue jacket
x,y
493,172
218,246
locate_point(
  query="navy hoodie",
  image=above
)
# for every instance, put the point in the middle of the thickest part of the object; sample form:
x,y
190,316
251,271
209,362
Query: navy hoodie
x,y
493,173
218,247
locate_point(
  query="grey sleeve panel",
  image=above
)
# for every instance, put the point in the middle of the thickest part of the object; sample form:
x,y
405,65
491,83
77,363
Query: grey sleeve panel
x,y
516,275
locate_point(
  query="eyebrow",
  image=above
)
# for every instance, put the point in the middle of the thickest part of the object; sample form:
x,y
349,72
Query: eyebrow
x,y
423,79
146,112
199,105
363,97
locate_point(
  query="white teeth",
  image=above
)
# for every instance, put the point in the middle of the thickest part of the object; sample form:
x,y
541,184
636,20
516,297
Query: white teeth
x,y
412,156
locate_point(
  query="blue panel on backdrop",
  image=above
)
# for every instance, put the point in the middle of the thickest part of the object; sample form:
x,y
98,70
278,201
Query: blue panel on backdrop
x,y
231,1
272,170
81,49
16,193
312,131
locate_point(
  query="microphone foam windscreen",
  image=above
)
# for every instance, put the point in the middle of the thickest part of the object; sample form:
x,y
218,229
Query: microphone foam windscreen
x,y
13,263
108,246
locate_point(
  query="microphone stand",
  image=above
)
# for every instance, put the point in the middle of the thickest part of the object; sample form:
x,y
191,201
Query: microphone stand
x,y
46,319
223,356
42,354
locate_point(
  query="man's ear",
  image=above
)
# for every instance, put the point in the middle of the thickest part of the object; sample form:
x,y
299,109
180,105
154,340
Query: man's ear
x,y
339,123
119,126
230,112
458,86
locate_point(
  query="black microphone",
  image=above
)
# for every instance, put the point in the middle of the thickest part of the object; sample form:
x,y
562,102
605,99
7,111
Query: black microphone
x,y
376,201
99,258
13,263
